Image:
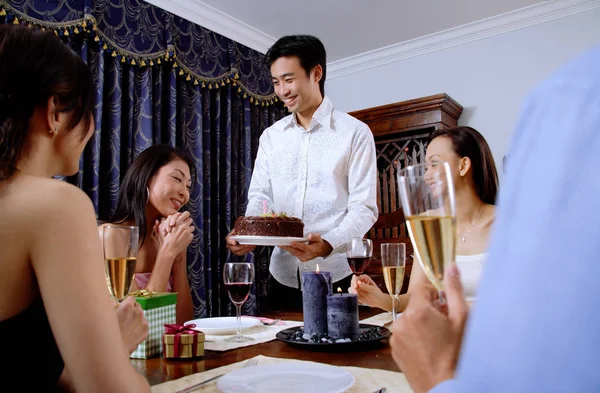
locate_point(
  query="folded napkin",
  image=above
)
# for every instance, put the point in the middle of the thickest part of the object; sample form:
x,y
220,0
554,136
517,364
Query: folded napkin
x,y
367,379
260,334
384,319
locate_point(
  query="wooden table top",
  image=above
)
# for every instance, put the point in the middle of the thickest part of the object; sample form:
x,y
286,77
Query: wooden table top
x,y
158,370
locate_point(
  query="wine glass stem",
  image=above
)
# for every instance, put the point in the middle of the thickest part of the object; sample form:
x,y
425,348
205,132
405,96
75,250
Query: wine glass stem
x,y
442,298
239,320
393,308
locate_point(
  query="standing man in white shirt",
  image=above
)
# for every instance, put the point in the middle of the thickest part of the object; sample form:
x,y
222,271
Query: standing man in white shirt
x,y
317,164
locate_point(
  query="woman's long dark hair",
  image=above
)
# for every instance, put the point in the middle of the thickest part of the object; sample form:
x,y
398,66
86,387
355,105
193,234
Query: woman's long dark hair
x,y
468,142
34,66
133,193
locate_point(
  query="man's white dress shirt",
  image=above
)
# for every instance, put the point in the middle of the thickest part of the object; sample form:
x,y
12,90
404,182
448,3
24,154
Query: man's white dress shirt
x,y
325,175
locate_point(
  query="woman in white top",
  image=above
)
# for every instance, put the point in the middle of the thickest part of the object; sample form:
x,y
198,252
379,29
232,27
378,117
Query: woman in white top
x,y
476,185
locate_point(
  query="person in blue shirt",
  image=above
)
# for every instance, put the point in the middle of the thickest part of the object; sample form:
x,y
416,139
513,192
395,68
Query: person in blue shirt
x,y
536,324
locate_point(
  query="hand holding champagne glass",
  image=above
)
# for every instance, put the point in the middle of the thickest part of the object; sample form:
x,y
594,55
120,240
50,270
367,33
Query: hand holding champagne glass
x,y
238,278
120,244
359,254
393,259
427,195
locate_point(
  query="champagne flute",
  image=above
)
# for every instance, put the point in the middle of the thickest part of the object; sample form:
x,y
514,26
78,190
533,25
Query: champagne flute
x,y
238,278
393,259
359,254
427,195
120,244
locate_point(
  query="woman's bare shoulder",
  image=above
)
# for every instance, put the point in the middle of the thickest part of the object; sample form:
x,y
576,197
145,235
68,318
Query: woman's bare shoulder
x,y
37,196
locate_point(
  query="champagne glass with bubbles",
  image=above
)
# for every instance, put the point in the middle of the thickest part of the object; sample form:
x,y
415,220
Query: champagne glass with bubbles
x,y
238,278
393,259
427,195
120,244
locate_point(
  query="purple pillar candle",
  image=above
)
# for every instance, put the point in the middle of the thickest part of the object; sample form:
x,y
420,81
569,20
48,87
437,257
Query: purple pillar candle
x,y
342,316
315,288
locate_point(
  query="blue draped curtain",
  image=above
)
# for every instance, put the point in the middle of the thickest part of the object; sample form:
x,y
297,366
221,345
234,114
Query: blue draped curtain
x,y
162,79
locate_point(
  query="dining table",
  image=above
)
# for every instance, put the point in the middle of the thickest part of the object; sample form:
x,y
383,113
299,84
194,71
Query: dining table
x,y
376,355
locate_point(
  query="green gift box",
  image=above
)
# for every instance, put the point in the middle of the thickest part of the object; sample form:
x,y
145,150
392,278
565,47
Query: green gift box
x,y
159,308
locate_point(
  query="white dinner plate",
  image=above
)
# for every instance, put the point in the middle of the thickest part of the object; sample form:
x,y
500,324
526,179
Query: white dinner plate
x,y
222,325
268,240
288,377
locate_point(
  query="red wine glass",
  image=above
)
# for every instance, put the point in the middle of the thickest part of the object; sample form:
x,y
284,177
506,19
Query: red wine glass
x,y
359,254
238,278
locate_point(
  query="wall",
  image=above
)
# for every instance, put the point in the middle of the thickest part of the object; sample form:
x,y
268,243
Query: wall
x,y
490,77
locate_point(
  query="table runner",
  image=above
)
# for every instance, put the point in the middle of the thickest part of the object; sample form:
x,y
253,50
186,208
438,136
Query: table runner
x,y
260,334
263,334
367,379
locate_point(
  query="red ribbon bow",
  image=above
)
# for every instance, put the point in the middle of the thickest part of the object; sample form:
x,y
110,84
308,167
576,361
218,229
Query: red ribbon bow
x,y
172,328
178,330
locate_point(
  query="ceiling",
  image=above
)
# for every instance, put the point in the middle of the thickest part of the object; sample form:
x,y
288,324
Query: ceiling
x,y
360,25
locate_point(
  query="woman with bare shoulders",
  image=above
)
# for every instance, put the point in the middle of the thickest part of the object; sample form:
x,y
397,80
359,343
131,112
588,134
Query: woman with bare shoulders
x,y
55,308
476,185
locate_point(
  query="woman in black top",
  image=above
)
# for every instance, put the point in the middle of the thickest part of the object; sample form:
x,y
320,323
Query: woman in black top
x,y
54,303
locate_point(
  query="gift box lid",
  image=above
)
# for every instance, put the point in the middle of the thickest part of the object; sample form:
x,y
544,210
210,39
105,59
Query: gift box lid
x,y
156,299
183,338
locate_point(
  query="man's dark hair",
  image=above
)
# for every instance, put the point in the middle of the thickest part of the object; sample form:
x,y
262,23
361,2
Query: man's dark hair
x,y
307,48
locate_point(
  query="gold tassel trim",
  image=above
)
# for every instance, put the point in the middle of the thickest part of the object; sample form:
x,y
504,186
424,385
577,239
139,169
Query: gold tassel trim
x,y
89,26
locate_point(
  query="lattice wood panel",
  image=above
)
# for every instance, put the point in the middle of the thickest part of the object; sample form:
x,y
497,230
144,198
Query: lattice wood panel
x,y
394,154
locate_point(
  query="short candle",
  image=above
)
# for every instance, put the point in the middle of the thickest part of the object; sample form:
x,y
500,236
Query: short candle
x,y
342,315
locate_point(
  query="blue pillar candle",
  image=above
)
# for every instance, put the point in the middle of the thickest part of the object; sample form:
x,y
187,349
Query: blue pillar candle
x,y
315,288
342,316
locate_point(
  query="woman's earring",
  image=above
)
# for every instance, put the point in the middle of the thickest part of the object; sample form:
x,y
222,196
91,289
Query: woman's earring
x,y
147,195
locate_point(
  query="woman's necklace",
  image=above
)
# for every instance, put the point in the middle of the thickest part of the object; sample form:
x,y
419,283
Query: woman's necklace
x,y
464,236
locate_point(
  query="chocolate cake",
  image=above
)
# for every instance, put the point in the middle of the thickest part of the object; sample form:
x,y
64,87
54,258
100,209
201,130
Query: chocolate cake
x,y
269,225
